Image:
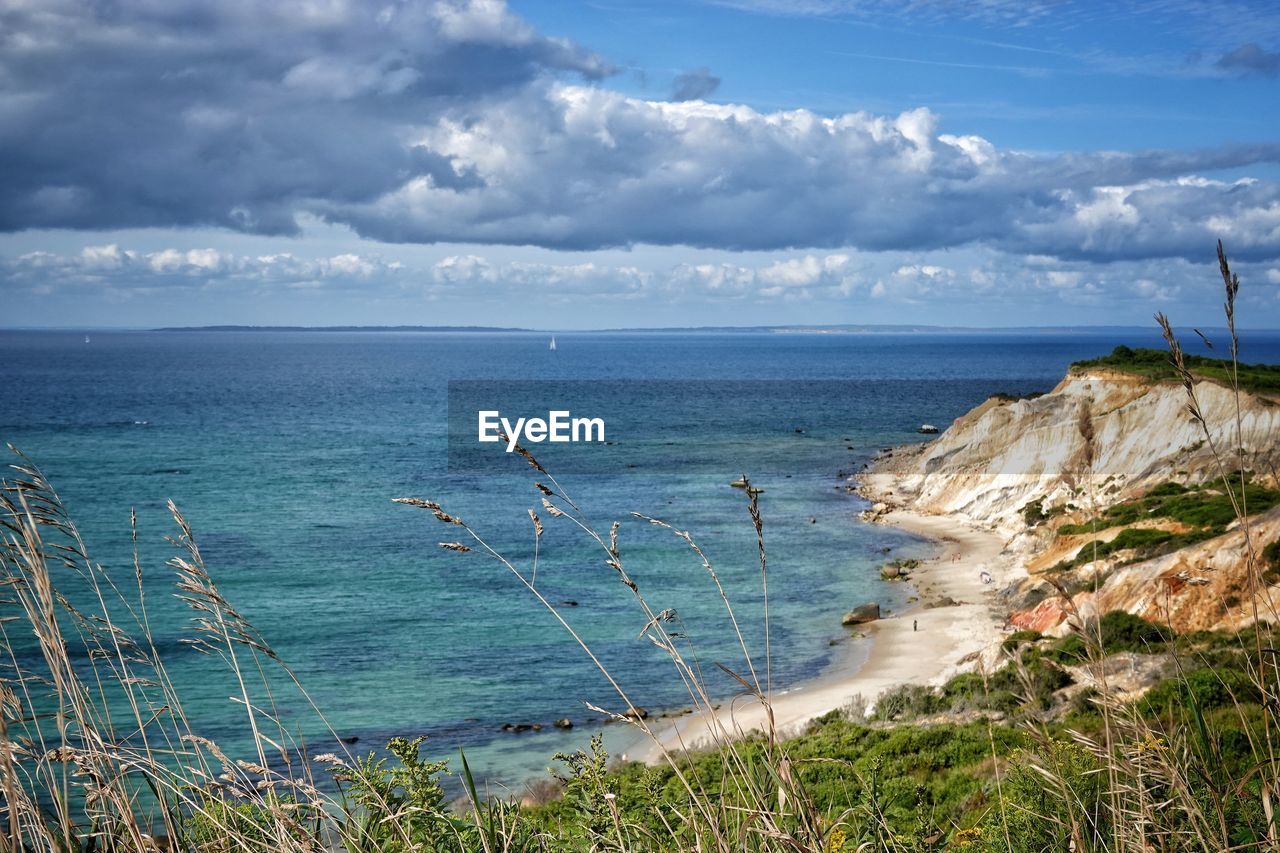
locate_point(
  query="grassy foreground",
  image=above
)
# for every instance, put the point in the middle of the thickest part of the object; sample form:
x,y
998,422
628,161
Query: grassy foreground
x,y
1042,753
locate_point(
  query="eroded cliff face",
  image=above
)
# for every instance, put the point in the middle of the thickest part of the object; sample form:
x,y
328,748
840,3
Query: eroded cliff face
x,y
1097,439
1202,586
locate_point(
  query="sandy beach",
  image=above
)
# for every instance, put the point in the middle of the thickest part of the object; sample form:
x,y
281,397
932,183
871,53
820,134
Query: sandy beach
x,y
929,652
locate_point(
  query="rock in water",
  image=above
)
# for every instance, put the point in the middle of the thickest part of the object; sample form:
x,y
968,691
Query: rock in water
x,y
865,613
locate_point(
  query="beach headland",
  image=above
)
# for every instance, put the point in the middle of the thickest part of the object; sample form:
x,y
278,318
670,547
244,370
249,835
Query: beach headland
x,y
953,622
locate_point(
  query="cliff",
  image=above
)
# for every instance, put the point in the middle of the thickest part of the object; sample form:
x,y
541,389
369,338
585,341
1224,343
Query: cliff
x,y
1108,492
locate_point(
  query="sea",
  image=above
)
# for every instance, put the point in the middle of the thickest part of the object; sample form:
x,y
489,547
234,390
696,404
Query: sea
x,y
284,451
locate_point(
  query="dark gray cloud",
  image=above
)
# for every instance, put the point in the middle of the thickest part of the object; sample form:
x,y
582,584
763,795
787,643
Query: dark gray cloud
x,y
451,121
234,113
694,85
1251,60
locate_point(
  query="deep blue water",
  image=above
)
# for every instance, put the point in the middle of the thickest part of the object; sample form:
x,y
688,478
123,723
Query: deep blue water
x,y
284,451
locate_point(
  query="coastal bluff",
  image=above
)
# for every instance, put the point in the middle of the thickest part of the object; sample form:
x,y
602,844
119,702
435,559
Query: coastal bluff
x,y
1108,495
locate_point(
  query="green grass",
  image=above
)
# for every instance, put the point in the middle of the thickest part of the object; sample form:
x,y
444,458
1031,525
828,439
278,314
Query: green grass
x,y
1204,506
1144,543
922,780
1154,364
933,787
1206,509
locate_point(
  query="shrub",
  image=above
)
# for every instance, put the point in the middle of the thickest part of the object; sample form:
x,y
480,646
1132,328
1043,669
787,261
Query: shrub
x,y
1124,632
1017,638
1271,563
908,701
1069,650
1202,689
1033,512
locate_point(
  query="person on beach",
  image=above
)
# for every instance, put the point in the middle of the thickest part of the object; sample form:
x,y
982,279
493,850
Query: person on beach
x,y
915,625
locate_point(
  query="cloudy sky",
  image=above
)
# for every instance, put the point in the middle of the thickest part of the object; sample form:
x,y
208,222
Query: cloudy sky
x,y
609,163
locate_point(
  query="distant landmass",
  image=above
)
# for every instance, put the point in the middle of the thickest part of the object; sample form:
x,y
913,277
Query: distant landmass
x,y
340,329
781,330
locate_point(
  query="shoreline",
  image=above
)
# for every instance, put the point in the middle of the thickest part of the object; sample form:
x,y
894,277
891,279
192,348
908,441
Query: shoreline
x,y
942,640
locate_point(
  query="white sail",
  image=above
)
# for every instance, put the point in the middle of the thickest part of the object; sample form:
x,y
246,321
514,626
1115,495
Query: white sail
x,y
553,342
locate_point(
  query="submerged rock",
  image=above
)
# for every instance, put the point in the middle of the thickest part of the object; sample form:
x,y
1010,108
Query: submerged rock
x,y
522,727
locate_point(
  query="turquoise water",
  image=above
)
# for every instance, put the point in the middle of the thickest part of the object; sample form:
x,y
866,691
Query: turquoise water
x,y
284,451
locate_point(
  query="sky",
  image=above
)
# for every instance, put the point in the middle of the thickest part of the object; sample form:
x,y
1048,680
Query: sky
x,y
612,164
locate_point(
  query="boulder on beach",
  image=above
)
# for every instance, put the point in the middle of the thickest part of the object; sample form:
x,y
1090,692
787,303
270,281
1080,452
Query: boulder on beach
x,y
876,511
564,723
869,612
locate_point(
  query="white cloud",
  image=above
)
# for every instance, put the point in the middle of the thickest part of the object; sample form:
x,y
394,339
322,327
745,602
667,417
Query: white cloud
x,y
113,267
945,283
463,268
803,272
583,168
792,278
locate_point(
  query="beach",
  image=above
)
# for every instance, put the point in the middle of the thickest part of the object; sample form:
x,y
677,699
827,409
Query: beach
x,y
924,644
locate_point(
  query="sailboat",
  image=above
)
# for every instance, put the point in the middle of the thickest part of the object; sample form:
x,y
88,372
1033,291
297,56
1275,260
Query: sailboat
x,y
86,339
553,343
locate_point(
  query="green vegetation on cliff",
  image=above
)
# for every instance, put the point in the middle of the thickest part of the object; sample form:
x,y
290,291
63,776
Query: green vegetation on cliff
x,y
1206,510
1155,364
